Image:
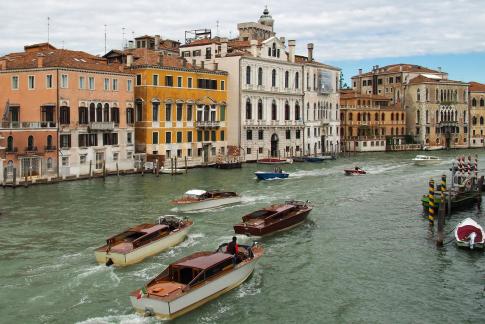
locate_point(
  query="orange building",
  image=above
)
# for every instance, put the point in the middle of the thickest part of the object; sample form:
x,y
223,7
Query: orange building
x,y
66,113
370,122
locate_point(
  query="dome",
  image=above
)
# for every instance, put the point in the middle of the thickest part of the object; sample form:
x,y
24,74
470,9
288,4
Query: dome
x,y
266,18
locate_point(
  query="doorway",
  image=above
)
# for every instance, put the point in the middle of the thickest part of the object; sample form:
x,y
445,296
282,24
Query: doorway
x,y
274,145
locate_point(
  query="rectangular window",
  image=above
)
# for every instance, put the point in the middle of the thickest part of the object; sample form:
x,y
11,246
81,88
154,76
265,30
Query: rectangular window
x,y
115,84
155,106
199,152
65,161
189,136
398,79
223,85
222,135
168,112
260,134
129,138
129,85
106,84
186,54
31,82
249,135
189,83
65,141
93,140
155,138
168,137
222,116
179,137
83,158
83,140
115,156
48,81
138,79
213,136
288,134
189,112
179,153
99,160
199,136
179,82
64,81
155,79
189,152
91,83
15,82
248,150
82,82
179,112
169,81
206,135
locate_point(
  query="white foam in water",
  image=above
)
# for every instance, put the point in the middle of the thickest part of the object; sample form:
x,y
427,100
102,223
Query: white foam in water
x,y
251,286
122,319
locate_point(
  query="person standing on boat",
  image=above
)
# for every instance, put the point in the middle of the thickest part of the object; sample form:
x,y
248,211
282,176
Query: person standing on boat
x,y
232,247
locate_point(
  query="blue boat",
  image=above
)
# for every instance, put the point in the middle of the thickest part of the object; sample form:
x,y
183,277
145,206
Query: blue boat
x,y
314,159
263,175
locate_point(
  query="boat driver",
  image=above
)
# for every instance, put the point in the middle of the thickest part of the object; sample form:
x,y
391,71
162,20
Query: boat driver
x,y
232,247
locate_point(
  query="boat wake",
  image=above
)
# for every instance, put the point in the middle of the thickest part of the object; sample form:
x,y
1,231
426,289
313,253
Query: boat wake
x,y
122,319
384,168
251,287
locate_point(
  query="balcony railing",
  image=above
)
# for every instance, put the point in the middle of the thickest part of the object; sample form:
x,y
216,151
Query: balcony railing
x,y
31,149
11,150
207,124
49,148
28,125
102,126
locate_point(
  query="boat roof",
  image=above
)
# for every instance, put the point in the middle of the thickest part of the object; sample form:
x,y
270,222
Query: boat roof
x,y
195,192
154,228
203,262
278,208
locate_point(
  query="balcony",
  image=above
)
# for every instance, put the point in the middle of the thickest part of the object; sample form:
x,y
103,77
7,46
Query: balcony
x,y
11,150
28,125
102,126
49,148
208,124
30,149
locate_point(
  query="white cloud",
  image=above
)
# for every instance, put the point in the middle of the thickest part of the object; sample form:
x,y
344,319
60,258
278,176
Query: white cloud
x,y
340,29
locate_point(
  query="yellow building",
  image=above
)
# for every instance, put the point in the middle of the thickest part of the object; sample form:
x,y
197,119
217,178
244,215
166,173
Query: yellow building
x,y
477,114
180,109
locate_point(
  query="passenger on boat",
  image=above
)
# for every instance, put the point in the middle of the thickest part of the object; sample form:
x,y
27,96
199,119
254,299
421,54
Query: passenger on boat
x,y
232,247
357,168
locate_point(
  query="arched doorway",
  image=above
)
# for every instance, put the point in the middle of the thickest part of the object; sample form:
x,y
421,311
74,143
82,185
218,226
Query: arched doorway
x,y
274,145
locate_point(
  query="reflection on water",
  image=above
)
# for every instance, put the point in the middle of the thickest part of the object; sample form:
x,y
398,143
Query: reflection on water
x,y
364,255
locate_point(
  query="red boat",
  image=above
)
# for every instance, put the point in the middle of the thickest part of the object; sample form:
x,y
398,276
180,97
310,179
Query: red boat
x,y
273,218
354,172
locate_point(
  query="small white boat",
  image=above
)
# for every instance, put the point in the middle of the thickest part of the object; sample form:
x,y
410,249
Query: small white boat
x,y
144,240
200,199
469,234
195,280
170,171
426,160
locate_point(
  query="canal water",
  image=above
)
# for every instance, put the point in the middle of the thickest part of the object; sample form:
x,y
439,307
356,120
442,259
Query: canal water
x,y
365,255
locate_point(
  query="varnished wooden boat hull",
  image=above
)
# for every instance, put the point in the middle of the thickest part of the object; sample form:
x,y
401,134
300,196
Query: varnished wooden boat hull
x,y
248,229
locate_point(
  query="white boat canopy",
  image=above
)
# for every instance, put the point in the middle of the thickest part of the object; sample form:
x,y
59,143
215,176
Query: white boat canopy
x,y
195,192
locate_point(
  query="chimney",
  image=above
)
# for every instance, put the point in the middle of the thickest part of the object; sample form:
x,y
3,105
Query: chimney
x,y
129,60
310,52
157,42
360,71
291,50
224,41
254,47
160,59
400,68
282,39
3,64
40,61
131,44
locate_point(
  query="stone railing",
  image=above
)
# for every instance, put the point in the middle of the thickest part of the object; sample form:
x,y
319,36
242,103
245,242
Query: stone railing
x,y
102,126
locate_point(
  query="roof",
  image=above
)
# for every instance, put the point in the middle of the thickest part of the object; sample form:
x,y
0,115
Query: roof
x,y
154,228
402,67
476,87
195,192
304,60
424,79
46,55
203,261
356,95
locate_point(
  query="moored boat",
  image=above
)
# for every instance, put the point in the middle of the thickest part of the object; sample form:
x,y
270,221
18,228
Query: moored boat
x,y
228,165
144,240
273,218
423,160
274,161
314,159
356,171
200,199
470,234
275,174
195,280
172,171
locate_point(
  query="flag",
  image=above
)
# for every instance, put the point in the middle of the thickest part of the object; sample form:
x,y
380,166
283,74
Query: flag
x,y
142,292
6,111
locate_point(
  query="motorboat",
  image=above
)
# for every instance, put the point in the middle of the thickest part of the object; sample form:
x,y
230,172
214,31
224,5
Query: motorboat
x,y
275,174
470,234
433,148
273,218
196,199
314,159
195,280
274,161
172,171
423,160
356,171
144,240
228,165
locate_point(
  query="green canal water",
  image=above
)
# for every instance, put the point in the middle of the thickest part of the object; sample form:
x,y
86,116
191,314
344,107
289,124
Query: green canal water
x,y
365,255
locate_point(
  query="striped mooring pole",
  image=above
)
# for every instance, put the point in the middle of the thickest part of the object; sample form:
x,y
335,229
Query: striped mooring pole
x,y
443,183
476,167
431,203
469,165
443,201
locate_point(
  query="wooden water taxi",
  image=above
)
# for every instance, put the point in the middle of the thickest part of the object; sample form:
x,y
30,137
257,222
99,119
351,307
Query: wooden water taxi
x,y
355,171
195,280
200,199
142,241
273,218
423,160
470,234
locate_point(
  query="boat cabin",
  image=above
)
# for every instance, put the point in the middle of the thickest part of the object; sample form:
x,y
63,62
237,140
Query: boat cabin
x,y
270,212
136,236
197,194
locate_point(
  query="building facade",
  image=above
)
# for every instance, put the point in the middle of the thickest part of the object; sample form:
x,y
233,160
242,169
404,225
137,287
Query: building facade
x,y
477,114
370,123
65,113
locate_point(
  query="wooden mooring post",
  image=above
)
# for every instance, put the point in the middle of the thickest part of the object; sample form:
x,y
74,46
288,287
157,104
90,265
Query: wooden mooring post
x,y
441,221
185,165
431,204
117,170
171,166
157,169
104,170
443,195
14,184
4,177
90,169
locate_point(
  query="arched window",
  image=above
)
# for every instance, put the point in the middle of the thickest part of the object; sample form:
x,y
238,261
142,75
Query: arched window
x,y
49,142
481,120
297,111
115,115
106,112
49,163
397,117
249,109
427,94
402,116
92,112
10,167
260,109
297,81
248,74
474,120
99,112
273,78
274,110
30,143
314,81
418,95
287,79
392,116
358,116
464,116
139,109
474,102
350,116
427,116
436,116
376,116
437,93
368,116
418,116
64,115
402,130
260,76
287,111
482,102
383,117
274,49
392,131
83,115
10,144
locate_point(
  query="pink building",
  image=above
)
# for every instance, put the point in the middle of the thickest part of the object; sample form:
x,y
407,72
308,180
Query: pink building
x,y
65,113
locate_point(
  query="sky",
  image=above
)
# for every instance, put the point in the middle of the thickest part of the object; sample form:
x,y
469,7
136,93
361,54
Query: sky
x,y
350,34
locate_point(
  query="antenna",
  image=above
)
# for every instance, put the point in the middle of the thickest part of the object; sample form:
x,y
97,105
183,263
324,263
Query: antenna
x,y
123,38
104,38
48,28
217,28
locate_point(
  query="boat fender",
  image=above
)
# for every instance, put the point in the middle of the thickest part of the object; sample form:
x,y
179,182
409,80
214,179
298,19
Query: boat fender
x,y
471,237
109,262
149,312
